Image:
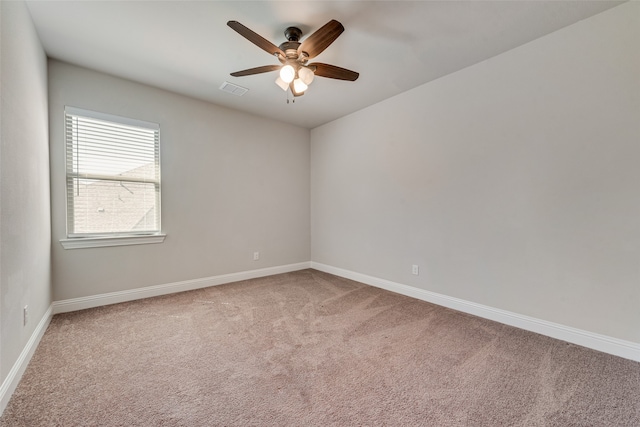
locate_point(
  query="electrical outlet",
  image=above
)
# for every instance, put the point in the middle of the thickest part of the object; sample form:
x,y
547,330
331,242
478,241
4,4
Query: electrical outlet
x,y
415,270
25,315
256,256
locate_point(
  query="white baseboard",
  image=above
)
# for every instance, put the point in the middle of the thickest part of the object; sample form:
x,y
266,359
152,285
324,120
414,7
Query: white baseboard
x,y
606,344
13,378
82,303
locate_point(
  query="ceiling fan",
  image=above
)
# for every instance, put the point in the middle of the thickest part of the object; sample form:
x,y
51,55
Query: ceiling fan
x,y
295,72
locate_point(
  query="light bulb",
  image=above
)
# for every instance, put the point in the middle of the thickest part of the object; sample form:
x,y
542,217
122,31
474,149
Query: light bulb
x,y
299,86
306,75
283,85
287,73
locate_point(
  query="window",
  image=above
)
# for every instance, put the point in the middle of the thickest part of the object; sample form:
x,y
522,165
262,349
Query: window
x,y
113,179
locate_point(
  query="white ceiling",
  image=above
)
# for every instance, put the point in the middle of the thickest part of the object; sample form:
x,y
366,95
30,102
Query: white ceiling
x,y
186,46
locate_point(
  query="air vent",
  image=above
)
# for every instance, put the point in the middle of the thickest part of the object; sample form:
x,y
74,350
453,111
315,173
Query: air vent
x,y
234,89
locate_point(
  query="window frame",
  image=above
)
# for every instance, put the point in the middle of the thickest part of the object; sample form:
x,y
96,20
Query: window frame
x,y
91,240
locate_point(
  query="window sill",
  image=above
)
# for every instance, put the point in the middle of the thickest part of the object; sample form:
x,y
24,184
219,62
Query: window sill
x,y
100,242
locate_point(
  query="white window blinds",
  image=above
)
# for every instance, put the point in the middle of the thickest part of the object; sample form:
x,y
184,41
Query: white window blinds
x,y
113,175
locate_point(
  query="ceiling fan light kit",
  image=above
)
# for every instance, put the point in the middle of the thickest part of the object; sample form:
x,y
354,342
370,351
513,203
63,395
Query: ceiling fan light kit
x,y
295,73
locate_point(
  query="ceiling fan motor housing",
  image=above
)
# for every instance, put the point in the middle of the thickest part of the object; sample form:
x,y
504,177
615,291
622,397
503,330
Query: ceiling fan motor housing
x,y
290,47
293,34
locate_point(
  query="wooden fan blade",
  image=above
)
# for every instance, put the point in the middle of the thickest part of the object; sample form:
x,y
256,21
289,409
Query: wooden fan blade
x,y
255,38
256,70
333,72
321,39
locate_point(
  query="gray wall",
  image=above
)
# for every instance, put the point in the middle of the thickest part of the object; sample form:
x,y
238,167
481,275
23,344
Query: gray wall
x,y
25,232
514,183
232,184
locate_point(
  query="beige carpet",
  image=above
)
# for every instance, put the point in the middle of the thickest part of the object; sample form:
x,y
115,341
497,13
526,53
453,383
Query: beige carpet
x,y
311,349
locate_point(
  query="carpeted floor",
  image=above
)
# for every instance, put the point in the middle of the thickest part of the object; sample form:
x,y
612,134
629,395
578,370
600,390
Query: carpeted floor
x,y
311,349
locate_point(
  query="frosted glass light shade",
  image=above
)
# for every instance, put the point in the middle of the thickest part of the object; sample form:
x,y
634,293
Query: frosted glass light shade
x,y
287,73
299,86
306,75
283,85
